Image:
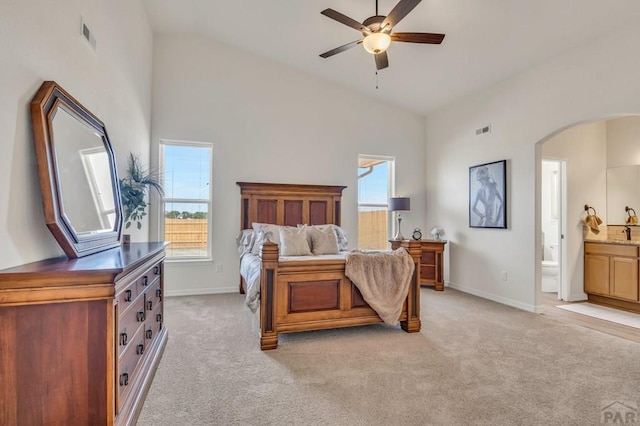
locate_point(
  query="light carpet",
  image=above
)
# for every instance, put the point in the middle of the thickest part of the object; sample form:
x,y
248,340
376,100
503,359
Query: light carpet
x,y
475,362
604,313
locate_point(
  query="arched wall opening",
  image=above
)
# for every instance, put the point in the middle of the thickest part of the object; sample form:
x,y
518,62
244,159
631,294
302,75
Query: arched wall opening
x,y
589,149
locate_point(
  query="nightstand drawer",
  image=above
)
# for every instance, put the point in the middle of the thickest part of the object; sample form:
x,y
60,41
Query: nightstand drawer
x,y
428,257
428,273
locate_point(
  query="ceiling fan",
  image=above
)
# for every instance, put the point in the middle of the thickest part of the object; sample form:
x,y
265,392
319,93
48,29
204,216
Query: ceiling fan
x,y
377,32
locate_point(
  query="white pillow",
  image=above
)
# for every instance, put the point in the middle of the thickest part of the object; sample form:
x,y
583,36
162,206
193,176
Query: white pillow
x,y
265,232
245,241
323,241
293,241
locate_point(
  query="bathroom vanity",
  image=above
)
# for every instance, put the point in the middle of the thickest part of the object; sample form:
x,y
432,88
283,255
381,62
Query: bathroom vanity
x,y
611,273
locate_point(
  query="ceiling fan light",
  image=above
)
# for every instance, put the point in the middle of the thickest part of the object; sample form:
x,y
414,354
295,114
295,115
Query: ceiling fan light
x,y
376,43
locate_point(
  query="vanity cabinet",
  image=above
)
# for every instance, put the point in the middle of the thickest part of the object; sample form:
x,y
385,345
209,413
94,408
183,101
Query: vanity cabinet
x,y
611,274
80,339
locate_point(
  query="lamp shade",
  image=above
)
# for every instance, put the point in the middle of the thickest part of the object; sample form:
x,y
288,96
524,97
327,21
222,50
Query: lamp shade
x,y
399,204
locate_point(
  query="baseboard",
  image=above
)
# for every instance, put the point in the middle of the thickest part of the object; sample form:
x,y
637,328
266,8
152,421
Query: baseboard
x,y
200,291
494,297
577,297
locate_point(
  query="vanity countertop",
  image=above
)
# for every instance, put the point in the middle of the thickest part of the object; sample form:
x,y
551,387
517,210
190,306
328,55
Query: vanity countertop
x,y
619,242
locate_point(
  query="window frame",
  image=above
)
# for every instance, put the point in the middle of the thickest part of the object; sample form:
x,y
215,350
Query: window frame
x,y
390,189
208,258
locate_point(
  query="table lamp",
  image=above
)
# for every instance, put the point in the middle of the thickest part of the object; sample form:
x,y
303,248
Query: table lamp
x,y
398,204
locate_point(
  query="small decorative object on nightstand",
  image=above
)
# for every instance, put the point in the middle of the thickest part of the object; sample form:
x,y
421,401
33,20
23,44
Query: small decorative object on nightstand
x,y
417,234
437,232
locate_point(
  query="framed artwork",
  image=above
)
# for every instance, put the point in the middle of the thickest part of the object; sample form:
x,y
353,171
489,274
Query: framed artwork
x,y
488,195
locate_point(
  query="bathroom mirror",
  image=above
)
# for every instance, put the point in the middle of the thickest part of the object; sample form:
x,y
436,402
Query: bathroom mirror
x,y
77,172
623,189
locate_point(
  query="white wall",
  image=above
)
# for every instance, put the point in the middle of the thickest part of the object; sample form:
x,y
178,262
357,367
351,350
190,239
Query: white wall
x,y
584,148
623,141
271,123
40,40
594,81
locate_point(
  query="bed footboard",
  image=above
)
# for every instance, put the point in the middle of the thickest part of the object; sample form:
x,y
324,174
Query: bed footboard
x,y
314,295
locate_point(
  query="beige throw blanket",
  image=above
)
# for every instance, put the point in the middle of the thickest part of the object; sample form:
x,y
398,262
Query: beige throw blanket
x,y
383,278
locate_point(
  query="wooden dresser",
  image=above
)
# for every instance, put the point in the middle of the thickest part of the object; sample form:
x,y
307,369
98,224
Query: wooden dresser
x,y
80,339
431,261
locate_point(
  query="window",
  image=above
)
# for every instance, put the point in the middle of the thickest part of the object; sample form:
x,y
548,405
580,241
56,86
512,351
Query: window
x,y
375,177
186,169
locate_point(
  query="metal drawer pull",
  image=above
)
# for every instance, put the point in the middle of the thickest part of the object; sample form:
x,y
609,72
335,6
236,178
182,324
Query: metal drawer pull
x,y
124,339
145,280
140,316
156,270
124,379
159,293
149,334
140,349
159,318
150,305
127,296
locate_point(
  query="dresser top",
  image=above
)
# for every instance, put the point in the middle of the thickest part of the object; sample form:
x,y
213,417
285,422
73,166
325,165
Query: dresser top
x,y
112,261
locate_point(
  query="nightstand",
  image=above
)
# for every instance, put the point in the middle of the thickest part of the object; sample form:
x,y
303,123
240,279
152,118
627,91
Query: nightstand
x,y
431,261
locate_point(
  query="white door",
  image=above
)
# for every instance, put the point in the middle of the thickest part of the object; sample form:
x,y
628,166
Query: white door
x,y
563,287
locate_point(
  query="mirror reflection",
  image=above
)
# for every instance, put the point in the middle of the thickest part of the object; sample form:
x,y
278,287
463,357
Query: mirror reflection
x,y
84,175
623,190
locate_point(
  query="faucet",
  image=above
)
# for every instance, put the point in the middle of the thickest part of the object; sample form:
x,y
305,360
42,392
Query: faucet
x,y
627,230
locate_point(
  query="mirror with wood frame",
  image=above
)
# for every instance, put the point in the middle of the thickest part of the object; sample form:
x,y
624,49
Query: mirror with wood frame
x,y
77,172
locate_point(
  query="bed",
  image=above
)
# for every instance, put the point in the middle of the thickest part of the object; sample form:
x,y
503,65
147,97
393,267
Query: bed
x,y
310,293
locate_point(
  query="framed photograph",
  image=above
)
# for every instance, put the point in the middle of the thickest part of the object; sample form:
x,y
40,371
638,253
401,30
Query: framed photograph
x,y
488,195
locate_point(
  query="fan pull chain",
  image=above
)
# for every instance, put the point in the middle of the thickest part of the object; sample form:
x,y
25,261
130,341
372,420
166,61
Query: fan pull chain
x,y
376,79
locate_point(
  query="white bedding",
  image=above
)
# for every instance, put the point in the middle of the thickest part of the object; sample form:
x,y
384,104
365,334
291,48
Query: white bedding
x,y
250,267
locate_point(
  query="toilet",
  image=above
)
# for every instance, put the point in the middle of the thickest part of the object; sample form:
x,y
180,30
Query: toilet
x,y
550,269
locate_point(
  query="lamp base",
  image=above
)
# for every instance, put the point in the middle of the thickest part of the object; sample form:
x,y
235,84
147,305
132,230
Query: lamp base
x,y
398,236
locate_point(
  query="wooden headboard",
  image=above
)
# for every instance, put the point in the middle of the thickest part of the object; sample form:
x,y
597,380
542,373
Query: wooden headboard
x,y
289,204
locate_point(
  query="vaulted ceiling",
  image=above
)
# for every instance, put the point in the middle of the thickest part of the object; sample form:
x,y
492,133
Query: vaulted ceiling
x,y
486,41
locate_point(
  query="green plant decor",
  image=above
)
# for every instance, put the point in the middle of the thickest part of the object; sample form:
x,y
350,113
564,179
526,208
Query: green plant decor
x,y
133,191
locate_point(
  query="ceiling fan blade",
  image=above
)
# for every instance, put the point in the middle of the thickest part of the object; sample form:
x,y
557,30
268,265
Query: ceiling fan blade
x,y
382,61
428,38
399,11
340,49
344,19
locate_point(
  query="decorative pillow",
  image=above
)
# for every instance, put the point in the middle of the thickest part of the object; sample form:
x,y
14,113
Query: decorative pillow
x,y
245,241
323,241
293,241
265,232
341,234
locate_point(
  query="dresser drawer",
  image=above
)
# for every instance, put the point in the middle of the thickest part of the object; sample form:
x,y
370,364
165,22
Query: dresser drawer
x,y
129,323
128,295
127,364
153,296
611,249
150,276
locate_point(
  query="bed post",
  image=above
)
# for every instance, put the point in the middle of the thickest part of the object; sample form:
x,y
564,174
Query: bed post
x,y
268,279
413,324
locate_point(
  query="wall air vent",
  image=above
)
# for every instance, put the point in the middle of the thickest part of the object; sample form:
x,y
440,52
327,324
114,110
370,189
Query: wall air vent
x,y
485,129
85,32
